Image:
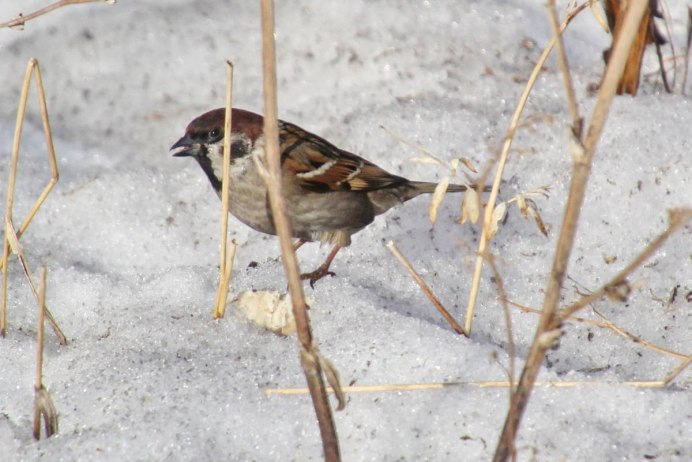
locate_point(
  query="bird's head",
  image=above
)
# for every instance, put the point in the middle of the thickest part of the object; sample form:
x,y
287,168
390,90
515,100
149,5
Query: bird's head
x,y
204,140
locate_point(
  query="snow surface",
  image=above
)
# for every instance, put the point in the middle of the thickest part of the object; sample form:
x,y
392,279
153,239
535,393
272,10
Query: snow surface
x,y
130,237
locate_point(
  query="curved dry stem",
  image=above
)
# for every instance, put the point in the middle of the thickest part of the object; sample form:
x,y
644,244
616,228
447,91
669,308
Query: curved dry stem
x,y
490,208
12,236
22,19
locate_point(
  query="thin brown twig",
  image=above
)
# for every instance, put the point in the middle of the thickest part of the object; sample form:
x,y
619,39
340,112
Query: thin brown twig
x,y
577,121
620,331
582,161
425,288
678,219
313,363
226,255
508,316
22,19
509,137
609,325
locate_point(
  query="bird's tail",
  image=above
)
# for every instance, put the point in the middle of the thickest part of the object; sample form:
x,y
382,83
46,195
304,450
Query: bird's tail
x,y
386,198
424,187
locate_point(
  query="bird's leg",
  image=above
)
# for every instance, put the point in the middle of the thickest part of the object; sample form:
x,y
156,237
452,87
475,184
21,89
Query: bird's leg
x,y
323,269
298,244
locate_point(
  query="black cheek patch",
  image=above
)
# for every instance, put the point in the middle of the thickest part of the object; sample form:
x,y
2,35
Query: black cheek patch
x,y
239,149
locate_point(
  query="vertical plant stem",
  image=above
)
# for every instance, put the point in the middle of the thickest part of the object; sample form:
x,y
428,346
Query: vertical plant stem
x,y
549,322
39,355
566,75
225,264
308,354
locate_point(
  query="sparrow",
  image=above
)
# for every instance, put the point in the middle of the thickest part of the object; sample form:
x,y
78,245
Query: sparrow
x,y
330,193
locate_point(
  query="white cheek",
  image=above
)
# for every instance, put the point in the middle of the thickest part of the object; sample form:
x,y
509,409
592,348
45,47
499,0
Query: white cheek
x,y
239,166
216,158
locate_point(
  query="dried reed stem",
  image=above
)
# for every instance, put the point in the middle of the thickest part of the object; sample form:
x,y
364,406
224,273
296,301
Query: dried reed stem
x,y
39,359
11,235
41,317
582,162
226,262
22,19
43,403
424,287
489,209
482,384
311,360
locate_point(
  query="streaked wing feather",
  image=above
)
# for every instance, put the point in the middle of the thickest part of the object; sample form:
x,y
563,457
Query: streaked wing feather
x,y
320,166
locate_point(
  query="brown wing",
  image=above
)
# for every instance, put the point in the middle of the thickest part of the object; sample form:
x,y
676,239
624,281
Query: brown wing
x,y
321,167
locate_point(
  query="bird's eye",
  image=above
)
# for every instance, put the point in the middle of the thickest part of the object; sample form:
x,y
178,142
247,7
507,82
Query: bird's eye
x,y
214,133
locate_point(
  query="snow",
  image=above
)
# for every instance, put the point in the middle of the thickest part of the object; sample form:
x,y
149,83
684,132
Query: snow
x,y
130,237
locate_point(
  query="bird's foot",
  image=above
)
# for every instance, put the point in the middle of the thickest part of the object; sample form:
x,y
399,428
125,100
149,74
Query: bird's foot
x,y
318,274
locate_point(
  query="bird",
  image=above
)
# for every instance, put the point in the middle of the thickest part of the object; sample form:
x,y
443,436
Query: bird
x,y
330,193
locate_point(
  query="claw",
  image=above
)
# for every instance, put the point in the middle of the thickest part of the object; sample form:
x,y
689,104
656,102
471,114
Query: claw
x,y
323,270
316,275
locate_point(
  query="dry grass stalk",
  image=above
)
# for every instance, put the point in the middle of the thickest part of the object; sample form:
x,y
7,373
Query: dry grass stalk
x,y
677,219
424,287
484,384
22,19
43,403
582,161
678,370
12,236
314,364
610,325
490,208
577,121
226,255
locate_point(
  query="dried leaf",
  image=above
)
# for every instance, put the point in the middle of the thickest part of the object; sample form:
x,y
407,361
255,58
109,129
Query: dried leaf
x,y
497,217
470,207
467,163
437,197
619,291
596,11
332,375
610,259
521,203
540,191
539,221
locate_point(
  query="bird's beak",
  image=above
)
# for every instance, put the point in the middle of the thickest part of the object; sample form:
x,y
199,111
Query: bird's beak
x,y
189,147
